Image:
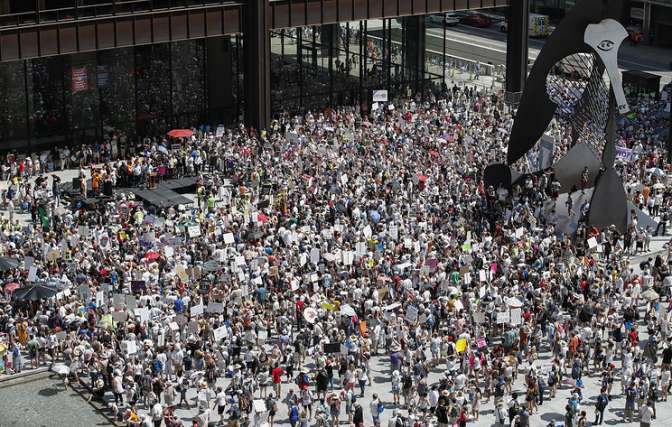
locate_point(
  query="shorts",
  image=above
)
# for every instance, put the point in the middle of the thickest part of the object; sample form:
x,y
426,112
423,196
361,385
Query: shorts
x,y
220,410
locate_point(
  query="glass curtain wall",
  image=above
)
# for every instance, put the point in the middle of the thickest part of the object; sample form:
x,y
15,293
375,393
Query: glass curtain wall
x,y
339,65
137,91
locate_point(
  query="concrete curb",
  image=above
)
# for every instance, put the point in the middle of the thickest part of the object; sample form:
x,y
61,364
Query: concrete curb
x,y
8,380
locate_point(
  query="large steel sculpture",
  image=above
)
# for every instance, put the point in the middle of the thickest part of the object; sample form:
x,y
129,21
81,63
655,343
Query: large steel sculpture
x,y
568,82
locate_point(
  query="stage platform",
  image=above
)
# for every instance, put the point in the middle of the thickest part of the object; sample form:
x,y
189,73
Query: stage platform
x,y
166,194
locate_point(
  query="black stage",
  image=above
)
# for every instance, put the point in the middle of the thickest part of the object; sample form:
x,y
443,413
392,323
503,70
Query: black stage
x,y
166,194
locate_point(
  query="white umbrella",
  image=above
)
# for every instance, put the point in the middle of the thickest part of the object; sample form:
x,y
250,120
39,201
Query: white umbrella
x,y
650,295
347,310
514,303
310,314
60,368
656,171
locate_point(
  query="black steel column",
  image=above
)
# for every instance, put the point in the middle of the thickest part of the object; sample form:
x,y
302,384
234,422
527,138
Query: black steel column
x,y
669,135
257,64
516,50
414,49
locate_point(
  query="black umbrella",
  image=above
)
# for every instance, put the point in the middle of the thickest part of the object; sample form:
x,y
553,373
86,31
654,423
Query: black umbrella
x,y
8,263
254,234
210,266
34,292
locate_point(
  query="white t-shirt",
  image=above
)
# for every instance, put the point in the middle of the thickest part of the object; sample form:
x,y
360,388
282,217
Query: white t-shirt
x,y
645,414
221,399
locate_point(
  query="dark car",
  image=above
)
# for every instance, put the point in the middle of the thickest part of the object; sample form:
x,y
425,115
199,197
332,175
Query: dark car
x,y
476,20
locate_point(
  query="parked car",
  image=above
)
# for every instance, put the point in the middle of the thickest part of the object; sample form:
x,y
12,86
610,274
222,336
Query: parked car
x,y
476,20
450,19
635,34
538,26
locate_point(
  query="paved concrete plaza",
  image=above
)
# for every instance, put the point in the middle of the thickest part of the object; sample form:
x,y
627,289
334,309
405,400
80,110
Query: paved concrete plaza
x,y
42,401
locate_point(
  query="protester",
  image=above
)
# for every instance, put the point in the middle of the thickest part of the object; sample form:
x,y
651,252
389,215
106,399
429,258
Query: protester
x,y
325,245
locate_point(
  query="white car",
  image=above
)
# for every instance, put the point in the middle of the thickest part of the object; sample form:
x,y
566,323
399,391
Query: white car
x,y
450,19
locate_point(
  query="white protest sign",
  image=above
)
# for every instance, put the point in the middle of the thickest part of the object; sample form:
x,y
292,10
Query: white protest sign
x,y
503,317
315,256
194,231
129,347
28,262
100,298
516,318
142,313
479,317
220,333
411,313
215,307
360,247
32,274
229,239
592,243
367,232
393,232
196,310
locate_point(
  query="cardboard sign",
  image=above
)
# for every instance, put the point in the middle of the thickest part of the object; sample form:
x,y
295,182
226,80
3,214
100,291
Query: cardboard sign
x,y
117,300
119,316
215,307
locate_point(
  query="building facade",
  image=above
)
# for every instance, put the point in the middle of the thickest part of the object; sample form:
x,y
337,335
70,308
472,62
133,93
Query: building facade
x,y
77,70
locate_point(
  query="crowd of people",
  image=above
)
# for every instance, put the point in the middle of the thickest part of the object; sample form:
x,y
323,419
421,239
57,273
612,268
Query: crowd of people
x,y
331,252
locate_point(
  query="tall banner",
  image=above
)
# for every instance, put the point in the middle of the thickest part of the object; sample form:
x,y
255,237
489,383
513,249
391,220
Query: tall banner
x,y
80,79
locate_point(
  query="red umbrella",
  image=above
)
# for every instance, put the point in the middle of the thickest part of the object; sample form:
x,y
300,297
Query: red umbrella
x,y
151,255
180,133
262,218
421,177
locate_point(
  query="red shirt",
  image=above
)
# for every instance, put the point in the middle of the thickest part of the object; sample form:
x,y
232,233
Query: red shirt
x,y
277,374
